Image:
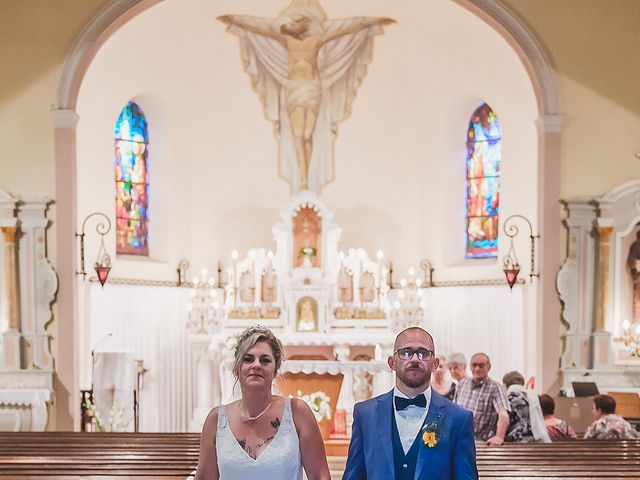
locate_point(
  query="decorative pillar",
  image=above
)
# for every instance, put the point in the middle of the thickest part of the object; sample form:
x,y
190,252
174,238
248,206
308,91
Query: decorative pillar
x,y
11,339
575,284
38,284
10,308
345,398
202,380
602,298
601,337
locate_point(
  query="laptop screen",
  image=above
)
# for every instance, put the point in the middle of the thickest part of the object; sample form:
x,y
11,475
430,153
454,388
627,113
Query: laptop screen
x,y
584,389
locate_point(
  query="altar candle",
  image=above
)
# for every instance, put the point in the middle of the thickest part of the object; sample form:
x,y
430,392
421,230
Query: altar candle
x,y
340,423
377,352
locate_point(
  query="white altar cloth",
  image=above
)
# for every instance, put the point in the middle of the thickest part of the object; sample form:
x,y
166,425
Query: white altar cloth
x,y
35,398
113,385
333,367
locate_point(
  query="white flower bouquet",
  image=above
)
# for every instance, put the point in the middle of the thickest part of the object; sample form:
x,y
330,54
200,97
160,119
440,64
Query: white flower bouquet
x,y
319,404
117,421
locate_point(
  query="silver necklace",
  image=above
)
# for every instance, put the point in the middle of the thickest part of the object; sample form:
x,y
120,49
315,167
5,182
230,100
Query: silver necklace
x,y
253,419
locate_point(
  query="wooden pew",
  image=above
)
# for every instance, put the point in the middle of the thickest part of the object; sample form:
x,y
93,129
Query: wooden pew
x,y
68,455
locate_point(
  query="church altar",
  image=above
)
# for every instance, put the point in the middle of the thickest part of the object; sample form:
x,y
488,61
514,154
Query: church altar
x,y
334,311
330,309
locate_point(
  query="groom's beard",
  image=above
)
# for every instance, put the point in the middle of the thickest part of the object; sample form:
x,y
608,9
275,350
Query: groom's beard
x,y
414,375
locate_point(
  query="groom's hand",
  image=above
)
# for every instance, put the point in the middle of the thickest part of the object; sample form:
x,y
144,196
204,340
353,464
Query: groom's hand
x,y
495,441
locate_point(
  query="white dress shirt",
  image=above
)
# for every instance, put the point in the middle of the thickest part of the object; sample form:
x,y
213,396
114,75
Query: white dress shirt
x,y
410,420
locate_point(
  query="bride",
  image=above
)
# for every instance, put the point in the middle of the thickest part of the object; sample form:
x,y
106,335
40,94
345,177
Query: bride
x,y
261,435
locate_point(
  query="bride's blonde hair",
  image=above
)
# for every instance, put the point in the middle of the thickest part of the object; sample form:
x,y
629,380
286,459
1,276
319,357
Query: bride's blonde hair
x,y
249,338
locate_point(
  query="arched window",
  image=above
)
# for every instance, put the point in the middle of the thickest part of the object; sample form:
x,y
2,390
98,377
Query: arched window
x,y
484,144
131,147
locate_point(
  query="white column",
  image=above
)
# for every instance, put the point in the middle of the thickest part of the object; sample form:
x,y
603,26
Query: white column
x,y
68,385
203,380
38,284
575,284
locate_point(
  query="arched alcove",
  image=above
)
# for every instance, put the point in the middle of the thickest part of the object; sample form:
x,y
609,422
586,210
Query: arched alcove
x,y
100,40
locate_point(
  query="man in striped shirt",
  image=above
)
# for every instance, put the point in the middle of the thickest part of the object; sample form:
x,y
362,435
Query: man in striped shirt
x,y
487,400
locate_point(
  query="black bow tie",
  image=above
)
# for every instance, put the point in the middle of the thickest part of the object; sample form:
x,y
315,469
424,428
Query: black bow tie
x,y
402,403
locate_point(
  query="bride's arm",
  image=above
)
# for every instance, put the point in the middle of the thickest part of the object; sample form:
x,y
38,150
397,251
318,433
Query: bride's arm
x,y
314,459
208,459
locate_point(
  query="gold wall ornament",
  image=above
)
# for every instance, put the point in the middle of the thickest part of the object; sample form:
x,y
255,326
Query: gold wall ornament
x,y
428,269
102,265
183,266
510,264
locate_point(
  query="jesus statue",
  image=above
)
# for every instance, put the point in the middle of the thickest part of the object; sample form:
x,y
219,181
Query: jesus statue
x,y
306,70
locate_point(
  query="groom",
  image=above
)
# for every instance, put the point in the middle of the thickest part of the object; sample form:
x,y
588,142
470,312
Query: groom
x,y
411,432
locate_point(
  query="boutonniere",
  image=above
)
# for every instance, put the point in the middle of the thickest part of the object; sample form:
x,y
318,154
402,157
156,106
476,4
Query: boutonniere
x,y
431,434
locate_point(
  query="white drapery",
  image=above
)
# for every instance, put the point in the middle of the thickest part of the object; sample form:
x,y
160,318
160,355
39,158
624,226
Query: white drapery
x,y
150,321
487,319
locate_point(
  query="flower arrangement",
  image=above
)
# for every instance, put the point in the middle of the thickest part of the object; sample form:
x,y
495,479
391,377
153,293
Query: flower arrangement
x,y
431,434
307,251
319,404
117,422
231,342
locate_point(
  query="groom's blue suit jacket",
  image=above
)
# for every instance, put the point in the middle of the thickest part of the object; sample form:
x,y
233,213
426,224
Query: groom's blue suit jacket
x,y
371,451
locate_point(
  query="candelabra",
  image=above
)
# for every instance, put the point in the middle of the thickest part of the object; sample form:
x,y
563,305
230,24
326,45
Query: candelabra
x,y
631,337
203,307
102,264
379,285
510,265
409,304
140,371
236,281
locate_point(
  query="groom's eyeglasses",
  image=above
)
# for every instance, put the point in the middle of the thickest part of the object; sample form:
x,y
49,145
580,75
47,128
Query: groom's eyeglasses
x,y
408,353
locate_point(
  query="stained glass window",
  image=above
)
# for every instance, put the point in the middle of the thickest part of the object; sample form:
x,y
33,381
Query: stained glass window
x,y
131,148
484,144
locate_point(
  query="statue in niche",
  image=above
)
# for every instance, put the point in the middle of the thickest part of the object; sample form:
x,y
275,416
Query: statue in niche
x,y
307,230
367,287
362,381
269,286
345,286
306,70
247,287
633,262
307,315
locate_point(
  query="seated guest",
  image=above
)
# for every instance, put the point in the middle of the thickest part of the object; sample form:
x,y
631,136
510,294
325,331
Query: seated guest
x,y
488,401
457,365
556,428
440,381
526,423
607,424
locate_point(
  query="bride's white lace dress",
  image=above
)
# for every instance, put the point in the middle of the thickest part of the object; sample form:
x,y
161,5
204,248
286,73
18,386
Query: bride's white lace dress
x,y
280,460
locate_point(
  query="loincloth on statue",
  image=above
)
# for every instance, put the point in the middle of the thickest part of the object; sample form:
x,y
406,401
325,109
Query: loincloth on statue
x,y
304,94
